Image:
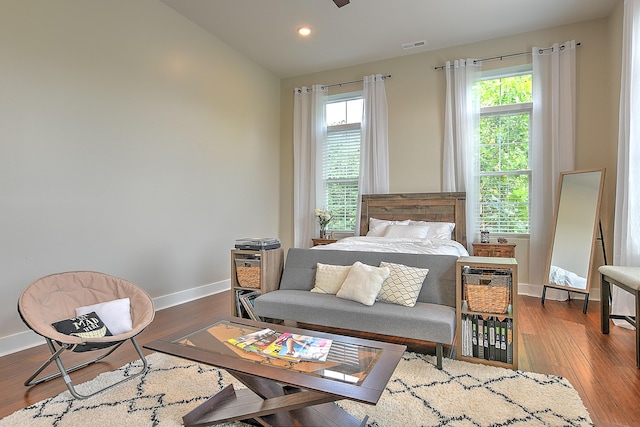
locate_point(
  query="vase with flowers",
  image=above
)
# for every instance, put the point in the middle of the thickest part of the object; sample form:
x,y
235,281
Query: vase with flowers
x,y
324,218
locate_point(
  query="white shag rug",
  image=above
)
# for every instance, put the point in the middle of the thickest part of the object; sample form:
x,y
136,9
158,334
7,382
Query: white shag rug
x,y
461,394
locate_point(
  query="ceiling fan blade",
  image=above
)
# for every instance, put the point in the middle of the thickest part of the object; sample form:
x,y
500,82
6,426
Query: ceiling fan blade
x,y
341,3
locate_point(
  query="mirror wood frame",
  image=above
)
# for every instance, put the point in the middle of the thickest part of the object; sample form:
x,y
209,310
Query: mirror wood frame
x,y
596,232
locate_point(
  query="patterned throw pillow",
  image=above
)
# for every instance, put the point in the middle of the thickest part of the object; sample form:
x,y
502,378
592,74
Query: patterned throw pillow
x,y
403,285
85,326
329,278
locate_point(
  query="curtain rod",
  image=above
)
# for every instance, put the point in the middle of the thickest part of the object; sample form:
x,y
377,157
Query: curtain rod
x,y
501,57
388,76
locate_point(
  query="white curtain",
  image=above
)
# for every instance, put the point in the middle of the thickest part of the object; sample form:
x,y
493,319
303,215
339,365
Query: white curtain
x,y
462,113
626,238
374,143
552,142
309,131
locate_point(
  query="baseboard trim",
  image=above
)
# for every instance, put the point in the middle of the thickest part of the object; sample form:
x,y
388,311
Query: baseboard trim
x,y
187,295
27,339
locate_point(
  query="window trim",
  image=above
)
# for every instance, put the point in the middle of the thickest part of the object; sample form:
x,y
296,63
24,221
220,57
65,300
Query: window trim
x,y
496,110
516,70
345,96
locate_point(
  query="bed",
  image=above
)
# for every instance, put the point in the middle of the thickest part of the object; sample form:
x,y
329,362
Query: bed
x,y
426,223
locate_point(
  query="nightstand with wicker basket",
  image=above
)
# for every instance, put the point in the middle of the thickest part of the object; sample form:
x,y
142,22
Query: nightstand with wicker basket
x,y
486,309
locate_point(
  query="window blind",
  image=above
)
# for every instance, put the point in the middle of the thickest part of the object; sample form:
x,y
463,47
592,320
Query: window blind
x,y
340,174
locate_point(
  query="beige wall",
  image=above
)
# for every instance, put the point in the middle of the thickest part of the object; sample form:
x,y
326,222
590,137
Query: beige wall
x,y
415,96
131,142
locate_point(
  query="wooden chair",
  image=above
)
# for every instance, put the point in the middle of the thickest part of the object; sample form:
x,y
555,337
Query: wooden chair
x,y
627,278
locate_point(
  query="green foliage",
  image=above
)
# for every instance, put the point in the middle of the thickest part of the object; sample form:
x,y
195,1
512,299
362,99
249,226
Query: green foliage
x,y
342,203
505,203
504,142
505,90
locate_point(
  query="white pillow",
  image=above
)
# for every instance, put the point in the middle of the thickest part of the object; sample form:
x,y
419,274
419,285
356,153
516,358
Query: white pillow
x,y
378,226
441,230
363,283
408,231
329,278
403,285
116,314
437,230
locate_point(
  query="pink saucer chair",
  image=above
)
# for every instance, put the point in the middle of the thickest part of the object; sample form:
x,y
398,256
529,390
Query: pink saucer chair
x,y
57,297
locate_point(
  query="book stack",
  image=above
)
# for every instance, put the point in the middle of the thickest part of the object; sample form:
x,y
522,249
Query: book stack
x,y
287,346
487,337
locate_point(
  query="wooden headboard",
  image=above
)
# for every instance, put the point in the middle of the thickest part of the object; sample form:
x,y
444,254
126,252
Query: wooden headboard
x,y
430,207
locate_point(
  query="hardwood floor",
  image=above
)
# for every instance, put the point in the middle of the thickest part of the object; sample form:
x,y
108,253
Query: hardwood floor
x,y
556,338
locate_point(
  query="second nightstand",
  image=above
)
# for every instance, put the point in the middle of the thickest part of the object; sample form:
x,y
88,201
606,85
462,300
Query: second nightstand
x,y
317,242
502,250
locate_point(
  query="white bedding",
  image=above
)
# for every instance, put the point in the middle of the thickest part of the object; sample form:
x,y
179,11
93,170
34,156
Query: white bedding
x,y
398,245
562,277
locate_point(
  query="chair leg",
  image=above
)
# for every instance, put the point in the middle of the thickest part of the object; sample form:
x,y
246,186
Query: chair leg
x,y
55,354
605,301
439,355
64,373
586,303
145,366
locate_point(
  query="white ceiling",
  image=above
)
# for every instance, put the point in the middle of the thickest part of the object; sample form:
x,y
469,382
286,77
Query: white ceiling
x,y
371,30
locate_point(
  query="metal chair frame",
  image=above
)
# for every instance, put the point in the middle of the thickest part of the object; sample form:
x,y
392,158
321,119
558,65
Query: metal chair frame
x,y
56,354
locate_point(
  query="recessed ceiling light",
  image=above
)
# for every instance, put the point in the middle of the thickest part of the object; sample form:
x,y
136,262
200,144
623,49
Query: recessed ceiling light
x,y
304,31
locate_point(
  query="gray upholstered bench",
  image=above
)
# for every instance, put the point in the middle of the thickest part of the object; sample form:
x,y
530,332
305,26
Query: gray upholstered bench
x,y
627,278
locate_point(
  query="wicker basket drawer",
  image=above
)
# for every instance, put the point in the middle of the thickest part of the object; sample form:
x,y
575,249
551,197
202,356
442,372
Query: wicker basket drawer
x,y
248,272
486,290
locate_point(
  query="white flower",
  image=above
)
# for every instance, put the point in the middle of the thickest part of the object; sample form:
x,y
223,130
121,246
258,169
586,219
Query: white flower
x,y
323,217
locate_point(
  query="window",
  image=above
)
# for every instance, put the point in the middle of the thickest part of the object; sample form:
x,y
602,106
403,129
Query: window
x,y
505,176
341,160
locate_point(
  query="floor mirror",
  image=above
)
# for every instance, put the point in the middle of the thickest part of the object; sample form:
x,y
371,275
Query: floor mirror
x,y
576,230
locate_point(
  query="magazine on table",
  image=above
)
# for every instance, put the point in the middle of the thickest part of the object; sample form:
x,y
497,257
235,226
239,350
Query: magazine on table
x,y
304,347
255,341
293,347
274,349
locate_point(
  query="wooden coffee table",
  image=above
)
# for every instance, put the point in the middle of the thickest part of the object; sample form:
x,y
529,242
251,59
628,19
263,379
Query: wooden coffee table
x,y
281,392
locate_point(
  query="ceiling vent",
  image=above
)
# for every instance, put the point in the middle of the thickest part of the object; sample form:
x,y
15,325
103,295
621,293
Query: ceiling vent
x,y
414,44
